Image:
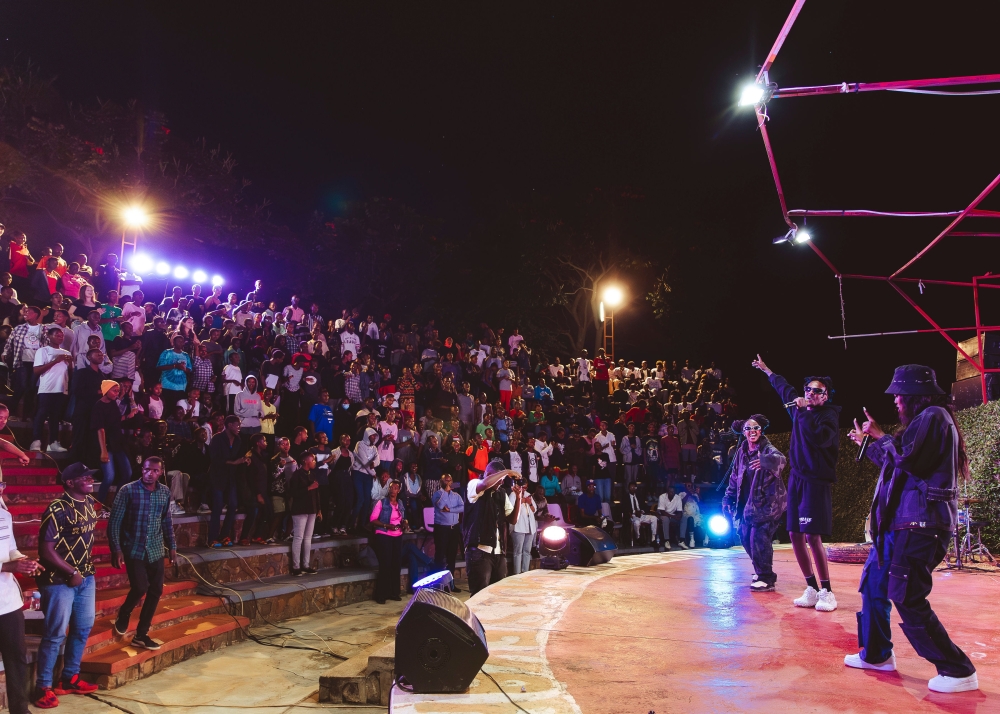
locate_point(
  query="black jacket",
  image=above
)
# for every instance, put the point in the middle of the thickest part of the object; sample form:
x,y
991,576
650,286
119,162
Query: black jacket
x,y
762,490
815,440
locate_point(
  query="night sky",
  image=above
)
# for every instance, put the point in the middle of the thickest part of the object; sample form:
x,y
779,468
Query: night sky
x,y
453,108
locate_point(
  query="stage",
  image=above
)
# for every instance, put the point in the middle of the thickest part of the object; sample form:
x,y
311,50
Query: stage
x,y
681,632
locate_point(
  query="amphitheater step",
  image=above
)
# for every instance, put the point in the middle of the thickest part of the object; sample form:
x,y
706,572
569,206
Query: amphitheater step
x,y
122,662
361,679
109,600
171,611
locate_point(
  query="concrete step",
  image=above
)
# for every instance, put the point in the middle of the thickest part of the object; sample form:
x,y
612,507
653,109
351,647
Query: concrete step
x,y
44,493
170,611
110,599
354,681
122,662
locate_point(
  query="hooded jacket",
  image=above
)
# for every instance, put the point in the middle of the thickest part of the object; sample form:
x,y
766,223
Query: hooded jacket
x,y
248,405
764,490
815,440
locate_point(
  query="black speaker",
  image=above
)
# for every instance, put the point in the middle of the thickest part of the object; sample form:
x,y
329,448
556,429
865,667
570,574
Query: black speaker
x,y
589,546
440,644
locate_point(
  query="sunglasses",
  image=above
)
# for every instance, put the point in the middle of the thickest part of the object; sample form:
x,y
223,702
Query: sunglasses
x,y
815,390
751,428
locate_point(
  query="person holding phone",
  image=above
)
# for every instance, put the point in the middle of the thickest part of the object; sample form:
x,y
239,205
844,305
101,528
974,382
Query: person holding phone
x,y
390,523
488,514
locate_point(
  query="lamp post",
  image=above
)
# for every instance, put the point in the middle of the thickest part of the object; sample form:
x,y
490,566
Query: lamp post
x,y
135,218
612,296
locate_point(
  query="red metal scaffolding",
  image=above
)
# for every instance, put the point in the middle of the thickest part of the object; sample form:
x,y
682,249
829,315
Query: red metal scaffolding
x,y
770,92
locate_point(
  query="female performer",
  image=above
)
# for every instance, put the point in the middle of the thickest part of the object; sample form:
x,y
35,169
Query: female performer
x,y
813,457
755,497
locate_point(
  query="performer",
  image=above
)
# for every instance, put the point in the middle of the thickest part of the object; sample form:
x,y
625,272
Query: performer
x,y
813,457
485,532
913,519
755,498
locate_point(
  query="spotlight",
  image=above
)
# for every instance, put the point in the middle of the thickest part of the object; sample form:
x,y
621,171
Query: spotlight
x,y
180,272
752,95
435,581
794,235
718,525
551,546
134,216
217,280
801,236
162,268
720,531
613,296
141,263
199,276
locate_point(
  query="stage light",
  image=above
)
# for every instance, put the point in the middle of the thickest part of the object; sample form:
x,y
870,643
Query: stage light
x,y
801,236
718,525
180,272
217,280
613,296
551,546
134,216
753,94
141,263
435,581
162,268
199,276
794,235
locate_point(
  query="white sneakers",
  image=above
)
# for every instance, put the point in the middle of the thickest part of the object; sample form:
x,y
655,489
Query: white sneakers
x,y
683,546
854,660
36,445
759,586
940,683
951,685
56,447
824,600
809,598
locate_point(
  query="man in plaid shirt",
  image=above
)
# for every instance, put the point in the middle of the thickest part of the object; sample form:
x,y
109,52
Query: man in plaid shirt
x,y
140,532
204,373
19,354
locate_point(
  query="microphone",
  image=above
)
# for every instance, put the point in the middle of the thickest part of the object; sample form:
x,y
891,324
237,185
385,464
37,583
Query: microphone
x,y
864,447
789,405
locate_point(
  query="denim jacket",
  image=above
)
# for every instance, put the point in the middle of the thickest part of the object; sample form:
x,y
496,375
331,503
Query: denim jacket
x,y
767,495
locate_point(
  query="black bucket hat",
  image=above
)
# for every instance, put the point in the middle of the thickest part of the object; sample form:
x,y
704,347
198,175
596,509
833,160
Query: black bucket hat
x,y
914,379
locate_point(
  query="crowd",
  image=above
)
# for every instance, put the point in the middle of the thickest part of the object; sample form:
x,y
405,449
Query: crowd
x,y
314,427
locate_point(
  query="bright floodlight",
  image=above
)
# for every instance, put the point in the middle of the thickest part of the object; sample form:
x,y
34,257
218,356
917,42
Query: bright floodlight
x,y
554,534
180,272
217,280
802,236
613,296
134,216
162,268
719,525
752,95
199,276
141,263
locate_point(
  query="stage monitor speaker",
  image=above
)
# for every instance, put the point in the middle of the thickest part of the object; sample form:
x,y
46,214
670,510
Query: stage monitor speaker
x,y
589,546
440,644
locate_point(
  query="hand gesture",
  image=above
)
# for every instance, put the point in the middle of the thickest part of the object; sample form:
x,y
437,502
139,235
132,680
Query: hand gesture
x,y
759,364
856,434
755,463
517,488
871,427
24,566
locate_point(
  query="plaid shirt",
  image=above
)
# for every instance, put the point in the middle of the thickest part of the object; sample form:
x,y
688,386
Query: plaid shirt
x,y
15,343
352,387
204,375
140,525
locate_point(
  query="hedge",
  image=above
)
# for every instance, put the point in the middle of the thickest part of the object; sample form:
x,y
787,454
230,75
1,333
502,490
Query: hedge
x,y
855,487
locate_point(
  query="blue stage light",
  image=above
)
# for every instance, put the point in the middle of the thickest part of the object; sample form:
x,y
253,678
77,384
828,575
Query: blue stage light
x,y
436,581
718,525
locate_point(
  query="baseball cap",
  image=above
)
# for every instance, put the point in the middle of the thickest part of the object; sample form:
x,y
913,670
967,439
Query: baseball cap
x,y
77,470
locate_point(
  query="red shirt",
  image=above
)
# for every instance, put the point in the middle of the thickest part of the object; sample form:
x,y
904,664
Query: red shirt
x,y
18,260
601,366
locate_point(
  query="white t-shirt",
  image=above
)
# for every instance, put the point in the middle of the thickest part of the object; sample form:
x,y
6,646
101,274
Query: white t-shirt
x,y
185,405
292,378
231,371
32,342
606,443
56,380
349,341
155,408
136,314
583,370
10,591
387,449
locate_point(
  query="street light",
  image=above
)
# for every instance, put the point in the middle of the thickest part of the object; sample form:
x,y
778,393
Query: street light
x,y
135,217
612,296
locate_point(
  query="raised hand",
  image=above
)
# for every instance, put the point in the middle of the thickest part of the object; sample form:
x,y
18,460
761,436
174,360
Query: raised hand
x,y
759,364
871,427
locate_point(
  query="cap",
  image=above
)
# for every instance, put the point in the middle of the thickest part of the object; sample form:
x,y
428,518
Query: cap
x,y
77,470
591,482
107,385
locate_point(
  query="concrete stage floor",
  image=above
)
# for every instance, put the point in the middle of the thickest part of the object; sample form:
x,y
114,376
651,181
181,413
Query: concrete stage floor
x,y
681,632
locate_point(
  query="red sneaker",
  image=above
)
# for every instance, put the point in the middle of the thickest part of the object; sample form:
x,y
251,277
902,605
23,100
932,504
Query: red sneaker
x,y
46,699
75,686
226,542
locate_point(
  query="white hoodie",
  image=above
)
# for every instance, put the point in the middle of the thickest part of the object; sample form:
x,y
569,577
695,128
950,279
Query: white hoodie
x,y
248,405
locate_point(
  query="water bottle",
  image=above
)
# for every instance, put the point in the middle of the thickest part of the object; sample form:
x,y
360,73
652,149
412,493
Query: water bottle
x,y
36,600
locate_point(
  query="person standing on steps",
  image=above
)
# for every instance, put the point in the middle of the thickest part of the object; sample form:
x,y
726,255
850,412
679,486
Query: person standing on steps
x,y
65,540
13,648
141,536
755,498
51,369
812,454
913,519
389,520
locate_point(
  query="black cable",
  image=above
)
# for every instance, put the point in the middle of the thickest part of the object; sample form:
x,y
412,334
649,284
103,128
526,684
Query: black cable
x,y
503,692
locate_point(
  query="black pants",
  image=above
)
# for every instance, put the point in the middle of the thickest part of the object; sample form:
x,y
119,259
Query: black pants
x,y
446,540
145,579
484,568
389,551
325,507
50,408
758,542
342,483
15,660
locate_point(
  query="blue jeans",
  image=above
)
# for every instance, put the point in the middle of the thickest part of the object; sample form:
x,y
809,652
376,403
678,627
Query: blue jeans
x,y
65,609
224,496
362,498
603,489
118,470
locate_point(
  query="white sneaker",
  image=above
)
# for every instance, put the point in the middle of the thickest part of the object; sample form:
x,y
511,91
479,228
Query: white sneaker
x,y
825,601
854,660
761,586
56,447
176,510
203,509
950,685
35,446
809,598
666,547
683,547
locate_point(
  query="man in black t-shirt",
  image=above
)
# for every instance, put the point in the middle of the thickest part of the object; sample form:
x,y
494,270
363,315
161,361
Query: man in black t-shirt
x,y
107,438
65,540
